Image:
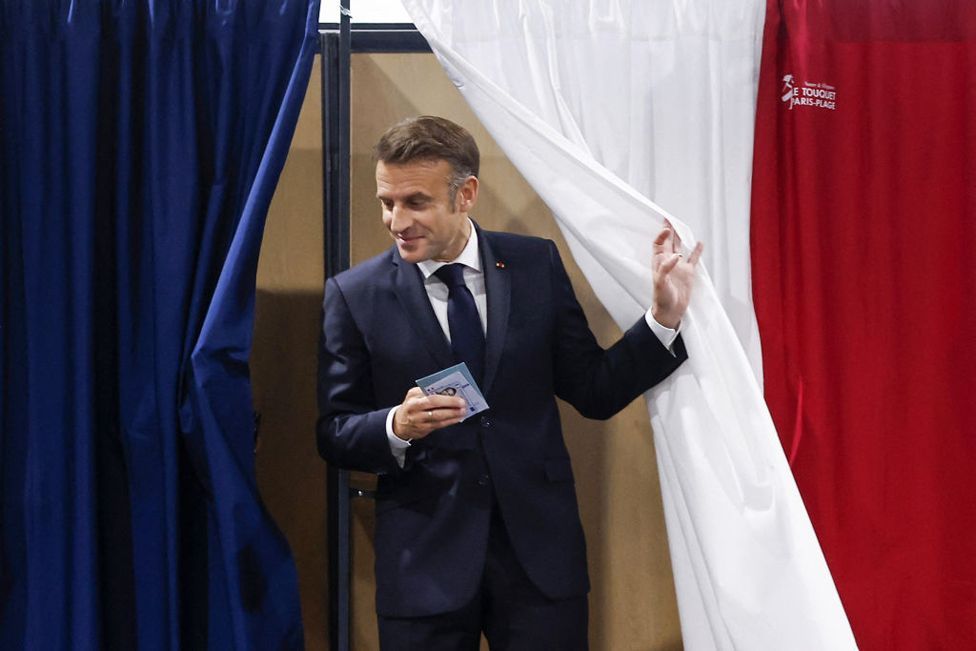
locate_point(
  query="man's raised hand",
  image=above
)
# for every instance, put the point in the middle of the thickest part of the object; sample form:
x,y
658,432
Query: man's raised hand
x,y
674,277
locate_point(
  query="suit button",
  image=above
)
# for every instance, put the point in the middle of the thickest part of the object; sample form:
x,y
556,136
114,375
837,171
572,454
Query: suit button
x,y
483,480
485,421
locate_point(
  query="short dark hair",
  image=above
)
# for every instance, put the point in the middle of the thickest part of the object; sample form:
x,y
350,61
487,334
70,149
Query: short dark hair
x,y
431,138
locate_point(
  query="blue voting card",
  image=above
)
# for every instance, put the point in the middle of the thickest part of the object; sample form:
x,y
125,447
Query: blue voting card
x,y
455,381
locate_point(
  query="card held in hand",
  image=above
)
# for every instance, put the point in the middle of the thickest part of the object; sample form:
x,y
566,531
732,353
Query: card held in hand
x,y
455,381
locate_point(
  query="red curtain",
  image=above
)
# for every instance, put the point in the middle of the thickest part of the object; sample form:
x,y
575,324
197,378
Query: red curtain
x,y
863,238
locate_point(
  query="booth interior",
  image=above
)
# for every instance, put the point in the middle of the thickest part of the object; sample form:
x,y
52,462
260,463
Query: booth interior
x,y
632,603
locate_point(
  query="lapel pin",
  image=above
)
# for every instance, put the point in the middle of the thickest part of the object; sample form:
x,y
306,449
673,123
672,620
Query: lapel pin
x,y
500,264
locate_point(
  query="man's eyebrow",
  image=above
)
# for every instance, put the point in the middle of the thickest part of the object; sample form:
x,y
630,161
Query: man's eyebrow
x,y
410,197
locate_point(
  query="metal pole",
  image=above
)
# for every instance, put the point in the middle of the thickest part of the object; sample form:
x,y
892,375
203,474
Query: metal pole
x,y
336,129
336,152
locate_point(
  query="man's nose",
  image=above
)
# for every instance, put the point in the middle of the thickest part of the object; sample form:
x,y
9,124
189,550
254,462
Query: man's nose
x,y
399,219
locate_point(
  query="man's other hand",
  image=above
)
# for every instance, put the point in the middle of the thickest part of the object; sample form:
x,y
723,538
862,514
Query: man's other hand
x,y
419,414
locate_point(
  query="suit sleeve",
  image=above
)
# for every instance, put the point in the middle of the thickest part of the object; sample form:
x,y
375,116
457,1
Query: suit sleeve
x,y
598,382
351,431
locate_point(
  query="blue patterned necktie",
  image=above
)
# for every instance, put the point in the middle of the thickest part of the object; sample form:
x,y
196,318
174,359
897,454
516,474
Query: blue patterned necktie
x,y
467,337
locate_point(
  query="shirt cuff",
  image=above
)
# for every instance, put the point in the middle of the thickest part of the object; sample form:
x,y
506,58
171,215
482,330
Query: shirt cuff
x,y
664,334
398,447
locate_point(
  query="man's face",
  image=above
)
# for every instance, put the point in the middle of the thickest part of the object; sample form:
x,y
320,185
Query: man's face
x,y
418,211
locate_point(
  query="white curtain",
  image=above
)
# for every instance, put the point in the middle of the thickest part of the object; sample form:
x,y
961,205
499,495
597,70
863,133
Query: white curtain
x,y
603,106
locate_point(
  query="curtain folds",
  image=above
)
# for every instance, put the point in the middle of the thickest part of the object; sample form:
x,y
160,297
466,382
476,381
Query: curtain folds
x,y
141,144
600,108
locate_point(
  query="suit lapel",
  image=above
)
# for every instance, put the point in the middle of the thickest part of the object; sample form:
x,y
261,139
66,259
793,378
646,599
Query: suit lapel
x,y
498,290
409,289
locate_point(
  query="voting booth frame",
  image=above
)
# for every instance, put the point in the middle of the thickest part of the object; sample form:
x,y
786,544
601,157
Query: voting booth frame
x,y
338,43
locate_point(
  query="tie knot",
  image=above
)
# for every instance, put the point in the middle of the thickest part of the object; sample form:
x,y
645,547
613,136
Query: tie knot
x,y
451,275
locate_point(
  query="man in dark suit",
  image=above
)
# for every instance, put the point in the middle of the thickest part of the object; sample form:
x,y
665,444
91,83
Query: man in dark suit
x,y
477,525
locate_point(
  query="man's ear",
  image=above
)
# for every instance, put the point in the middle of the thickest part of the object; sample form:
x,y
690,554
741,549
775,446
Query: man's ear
x,y
467,194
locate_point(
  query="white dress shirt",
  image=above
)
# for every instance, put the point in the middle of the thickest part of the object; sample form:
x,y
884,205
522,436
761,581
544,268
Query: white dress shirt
x,y
474,278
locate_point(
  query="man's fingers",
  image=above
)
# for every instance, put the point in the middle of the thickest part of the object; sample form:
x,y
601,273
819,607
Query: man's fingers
x,y
415,393
436,401
676,239
663,236
430,412
662,242
443,416
670,263
451,408
693,259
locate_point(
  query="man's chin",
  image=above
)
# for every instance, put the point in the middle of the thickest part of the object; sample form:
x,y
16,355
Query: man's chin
x,y
411,251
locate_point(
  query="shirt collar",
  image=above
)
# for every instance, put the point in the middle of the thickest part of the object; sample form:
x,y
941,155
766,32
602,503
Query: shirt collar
x,y
469,256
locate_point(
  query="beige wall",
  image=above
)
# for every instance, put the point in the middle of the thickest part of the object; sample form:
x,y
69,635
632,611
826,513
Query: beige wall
x,y
632,603
283,362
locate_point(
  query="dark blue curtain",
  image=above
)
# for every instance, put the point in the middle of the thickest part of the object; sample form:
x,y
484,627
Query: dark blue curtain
x,y
141,144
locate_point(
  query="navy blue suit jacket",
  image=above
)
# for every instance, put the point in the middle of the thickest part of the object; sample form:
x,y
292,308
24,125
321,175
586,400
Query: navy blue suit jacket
x,y
432,516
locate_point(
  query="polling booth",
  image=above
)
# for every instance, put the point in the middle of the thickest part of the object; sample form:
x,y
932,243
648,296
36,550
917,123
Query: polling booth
x,y
632,603
174,173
